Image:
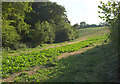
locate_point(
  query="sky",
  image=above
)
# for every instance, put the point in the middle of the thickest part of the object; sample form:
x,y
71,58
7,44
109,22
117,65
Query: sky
x,y
81,10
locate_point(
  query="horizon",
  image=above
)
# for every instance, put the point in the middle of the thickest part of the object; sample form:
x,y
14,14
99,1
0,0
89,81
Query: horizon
x,y
81,10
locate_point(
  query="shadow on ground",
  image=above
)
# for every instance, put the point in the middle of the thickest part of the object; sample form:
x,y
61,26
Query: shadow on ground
x,y
95,65
99,64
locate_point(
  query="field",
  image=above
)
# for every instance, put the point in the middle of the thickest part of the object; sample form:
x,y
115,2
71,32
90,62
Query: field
x,y
83,35
90,32
90,58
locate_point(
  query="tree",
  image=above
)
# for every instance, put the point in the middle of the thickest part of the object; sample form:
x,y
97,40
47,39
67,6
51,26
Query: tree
x,y
51,12
76,26
16,11
35,22
42,33
9,35
82,24
65,34
111,12
93,25
103,24
46,11
14,14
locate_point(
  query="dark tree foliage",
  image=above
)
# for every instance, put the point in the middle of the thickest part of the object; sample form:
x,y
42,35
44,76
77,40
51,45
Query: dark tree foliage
x,y
82,24
85,25
45,11
34,23
76,26
65,34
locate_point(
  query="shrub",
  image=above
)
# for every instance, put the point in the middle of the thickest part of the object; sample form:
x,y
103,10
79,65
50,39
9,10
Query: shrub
x,y
43,33
65,34
9,35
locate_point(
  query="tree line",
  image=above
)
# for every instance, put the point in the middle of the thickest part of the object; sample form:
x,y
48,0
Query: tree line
x,y
83,24
34,23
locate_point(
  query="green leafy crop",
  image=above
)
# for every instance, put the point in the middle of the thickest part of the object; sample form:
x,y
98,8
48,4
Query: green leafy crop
x,y
12,64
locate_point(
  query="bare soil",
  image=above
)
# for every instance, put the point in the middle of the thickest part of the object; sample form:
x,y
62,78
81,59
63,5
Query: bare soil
x,y
64,55
17,54
12,78
34,69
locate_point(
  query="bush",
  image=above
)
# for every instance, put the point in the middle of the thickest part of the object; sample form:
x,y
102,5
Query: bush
x,y
43,33
20,46
65,34
10,36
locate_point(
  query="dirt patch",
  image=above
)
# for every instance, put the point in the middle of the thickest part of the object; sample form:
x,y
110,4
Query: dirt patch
x,y
64,55
75,41
34,69
17,54
12,78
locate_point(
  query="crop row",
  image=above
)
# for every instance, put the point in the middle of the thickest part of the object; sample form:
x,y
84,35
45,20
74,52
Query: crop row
x,y
12,64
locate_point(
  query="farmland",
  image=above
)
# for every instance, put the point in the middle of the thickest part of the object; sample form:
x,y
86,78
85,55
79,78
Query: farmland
x,y
89,66
40,43
49,67
17,63
83,35
90,32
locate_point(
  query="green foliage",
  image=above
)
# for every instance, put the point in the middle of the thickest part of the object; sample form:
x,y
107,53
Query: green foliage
x,y
65,34
13,15
42,33
76,26
12,64
110,11
111,16
55,15
35,23
45,12
16,11
9,35
94,65
82,24
85,25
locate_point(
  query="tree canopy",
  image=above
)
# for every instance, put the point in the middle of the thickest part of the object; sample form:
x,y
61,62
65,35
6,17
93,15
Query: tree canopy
x,y
111,14
34,23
